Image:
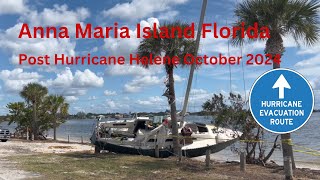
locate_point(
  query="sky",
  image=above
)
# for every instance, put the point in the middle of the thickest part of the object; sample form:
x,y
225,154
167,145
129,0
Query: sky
x,y
129,88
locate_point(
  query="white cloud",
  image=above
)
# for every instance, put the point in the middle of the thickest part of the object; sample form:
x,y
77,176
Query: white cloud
x,y
133,70
71,99
33,47
310,71
316,83
138,9
141,102
76,84
80,79
112,105
154,100
311,62
138,83
214,46
87,79
178,78
168,15
65,83
70,91
317,99
126,46
64,79
199,95
141,82
288,41
311,66
13,7
59,15
315,49
198,91
77,109
196,99
110,93
123,46
15,80
92,98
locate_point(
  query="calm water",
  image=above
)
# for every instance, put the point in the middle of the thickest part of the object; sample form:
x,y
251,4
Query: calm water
x,y
308,136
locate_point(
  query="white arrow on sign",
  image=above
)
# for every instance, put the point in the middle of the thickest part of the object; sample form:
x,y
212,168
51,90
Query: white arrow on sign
x,y
281,83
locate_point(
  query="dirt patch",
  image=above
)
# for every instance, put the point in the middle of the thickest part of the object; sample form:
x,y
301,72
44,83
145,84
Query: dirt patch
x,y
9,170
60,147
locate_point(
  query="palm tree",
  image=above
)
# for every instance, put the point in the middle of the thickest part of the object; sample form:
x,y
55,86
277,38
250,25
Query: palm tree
x,y
169,47
58,109
34,93
298,18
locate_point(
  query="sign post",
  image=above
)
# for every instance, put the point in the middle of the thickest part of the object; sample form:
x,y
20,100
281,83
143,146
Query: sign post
x,y
281,101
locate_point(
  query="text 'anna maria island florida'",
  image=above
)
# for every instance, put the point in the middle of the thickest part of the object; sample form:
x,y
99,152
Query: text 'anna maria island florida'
x,y
154,31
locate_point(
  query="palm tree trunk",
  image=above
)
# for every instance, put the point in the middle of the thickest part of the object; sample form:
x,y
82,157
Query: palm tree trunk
x,y
34,121
173,109
286,145
55,130
275,46
276,65
287,148
291,153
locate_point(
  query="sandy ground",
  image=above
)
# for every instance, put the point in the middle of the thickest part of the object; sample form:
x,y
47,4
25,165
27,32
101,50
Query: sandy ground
x,y
8,170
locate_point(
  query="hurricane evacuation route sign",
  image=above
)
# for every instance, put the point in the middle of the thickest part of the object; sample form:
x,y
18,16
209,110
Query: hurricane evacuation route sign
x,y
281,100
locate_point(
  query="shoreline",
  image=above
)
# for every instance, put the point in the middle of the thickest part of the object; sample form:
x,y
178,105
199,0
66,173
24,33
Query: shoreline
x,y
299,164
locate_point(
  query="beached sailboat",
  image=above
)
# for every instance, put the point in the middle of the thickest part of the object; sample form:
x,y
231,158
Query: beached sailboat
x,y
136,136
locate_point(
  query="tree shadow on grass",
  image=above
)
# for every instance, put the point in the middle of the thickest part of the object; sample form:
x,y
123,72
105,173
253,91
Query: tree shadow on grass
x,y
89,155
143,162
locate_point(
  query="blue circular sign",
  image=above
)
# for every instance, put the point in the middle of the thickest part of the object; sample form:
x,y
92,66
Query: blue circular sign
x,y
281,100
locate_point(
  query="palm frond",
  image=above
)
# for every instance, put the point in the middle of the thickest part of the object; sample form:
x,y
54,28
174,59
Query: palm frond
x,y
303,21
173,46
149,46
298,18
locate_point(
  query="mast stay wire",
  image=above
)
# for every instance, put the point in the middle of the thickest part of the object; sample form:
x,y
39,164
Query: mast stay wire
x,y
243,78
230,76
243,70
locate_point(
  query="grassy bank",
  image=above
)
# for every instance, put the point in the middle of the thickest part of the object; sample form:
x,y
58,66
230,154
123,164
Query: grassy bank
x,y
110,166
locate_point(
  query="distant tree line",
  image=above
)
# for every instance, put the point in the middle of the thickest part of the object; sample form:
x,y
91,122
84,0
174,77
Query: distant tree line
x,y
83,115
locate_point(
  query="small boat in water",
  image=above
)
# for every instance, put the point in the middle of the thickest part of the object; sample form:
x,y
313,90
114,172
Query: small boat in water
x,y
137,136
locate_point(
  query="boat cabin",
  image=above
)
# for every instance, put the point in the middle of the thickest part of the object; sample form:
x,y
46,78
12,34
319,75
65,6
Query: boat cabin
x,y
129,128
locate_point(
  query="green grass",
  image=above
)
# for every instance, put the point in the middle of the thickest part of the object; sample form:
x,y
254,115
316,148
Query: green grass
x,y
109,166
115,166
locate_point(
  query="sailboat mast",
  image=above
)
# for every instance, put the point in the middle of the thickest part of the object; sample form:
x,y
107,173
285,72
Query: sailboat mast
x,y
193,66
